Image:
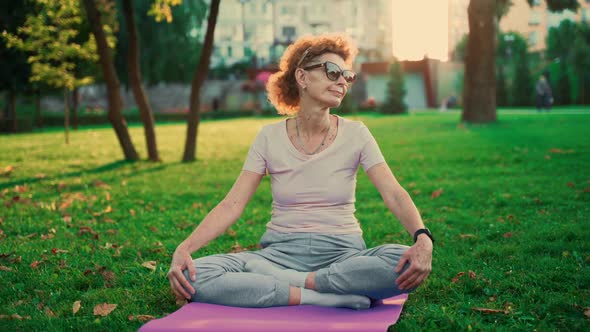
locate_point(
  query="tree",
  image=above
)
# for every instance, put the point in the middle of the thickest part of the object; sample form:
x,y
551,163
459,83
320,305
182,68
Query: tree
x,y
115,102
479,90
15,70
199,77
479,85
568,47
141,99
396,91
49,37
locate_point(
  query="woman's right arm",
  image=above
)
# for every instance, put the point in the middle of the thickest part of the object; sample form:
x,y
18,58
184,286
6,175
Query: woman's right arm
x,y
215,223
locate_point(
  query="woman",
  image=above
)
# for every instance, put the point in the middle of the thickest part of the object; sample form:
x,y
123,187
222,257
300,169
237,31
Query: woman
x,y
313,251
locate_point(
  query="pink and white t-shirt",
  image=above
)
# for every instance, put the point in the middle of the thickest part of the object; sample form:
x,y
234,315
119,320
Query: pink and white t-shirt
x,y
313,193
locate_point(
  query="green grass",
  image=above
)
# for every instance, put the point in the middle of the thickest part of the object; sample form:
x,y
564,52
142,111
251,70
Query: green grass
x,y
514,210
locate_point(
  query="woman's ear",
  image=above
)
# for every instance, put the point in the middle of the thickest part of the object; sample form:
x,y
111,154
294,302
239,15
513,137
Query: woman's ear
x,y
300,77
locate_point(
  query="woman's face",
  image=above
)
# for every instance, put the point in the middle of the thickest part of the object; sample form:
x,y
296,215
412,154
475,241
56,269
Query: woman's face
x,y
326,92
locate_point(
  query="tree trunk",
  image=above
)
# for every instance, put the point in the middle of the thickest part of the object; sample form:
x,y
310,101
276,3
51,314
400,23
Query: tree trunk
x,y
479,91
199,76
38,111
75,99
66,116
145,110
12,109
115,101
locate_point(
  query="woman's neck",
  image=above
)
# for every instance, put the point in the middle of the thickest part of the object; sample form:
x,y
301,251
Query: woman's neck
x,y
312,122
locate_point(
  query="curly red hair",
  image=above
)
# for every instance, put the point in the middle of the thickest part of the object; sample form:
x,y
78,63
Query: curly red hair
x,y
282,88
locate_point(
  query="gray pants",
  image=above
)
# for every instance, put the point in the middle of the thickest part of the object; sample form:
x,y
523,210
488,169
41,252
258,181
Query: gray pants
x,y
342,263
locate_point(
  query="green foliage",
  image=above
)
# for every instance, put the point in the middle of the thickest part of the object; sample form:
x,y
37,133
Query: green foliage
x,y
559,5
524,86
169,51
501,90
512,191
396,91
48,37
568,46
15,70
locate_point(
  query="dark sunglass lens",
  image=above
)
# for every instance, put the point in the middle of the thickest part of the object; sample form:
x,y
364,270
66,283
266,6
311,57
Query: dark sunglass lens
x,y
332,71
349,76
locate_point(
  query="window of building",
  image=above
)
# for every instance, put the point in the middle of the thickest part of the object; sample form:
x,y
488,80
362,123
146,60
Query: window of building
x,y
535,18
288,32
533,38
288,10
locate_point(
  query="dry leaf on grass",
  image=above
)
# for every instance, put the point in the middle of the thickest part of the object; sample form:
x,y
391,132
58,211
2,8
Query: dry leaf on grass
x,y
458,276
491,311
436,193
141,318
150,265
5,268
7,170
76,306
466,236
104,309
14,316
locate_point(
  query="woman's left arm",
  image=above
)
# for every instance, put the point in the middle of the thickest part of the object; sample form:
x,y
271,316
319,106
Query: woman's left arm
x,y
401,205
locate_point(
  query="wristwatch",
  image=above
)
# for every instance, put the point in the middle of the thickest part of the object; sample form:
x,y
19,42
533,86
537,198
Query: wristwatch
x,y
423,231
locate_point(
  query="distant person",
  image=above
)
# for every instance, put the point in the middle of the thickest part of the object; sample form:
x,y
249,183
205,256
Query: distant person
x,y
313,251
544,94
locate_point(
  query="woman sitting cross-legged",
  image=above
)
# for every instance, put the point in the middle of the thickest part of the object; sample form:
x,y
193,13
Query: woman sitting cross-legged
x,y
313,251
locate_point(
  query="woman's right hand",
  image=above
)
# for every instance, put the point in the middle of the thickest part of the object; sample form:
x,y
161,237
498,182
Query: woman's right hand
x,y
182,260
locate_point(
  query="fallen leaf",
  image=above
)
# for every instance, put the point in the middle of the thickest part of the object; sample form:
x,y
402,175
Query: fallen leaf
x,y
507,235
35,264
570,184
472,274
101,184
21,189
50,312
436,193
108,209
466,236
104,309
141,318
236,248
40,176
587,312
14,316
554,150
67,219
231,232
150,265
197,205
58,251
5,268
457,277
107,196
132,212
491,311
76,306
7,170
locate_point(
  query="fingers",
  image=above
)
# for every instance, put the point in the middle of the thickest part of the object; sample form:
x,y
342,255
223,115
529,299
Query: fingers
x,y
192,272
178,291
401,263
180,284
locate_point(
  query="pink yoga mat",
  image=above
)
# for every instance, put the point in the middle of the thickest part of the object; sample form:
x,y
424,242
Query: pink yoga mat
x,y
218,318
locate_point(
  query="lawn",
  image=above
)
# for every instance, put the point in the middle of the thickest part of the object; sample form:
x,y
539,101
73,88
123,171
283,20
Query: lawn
x,y
511,221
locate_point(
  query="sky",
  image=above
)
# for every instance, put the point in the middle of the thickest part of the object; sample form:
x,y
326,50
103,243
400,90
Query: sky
x,y
420,27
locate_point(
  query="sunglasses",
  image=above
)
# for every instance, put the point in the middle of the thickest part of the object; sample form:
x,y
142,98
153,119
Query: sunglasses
x,y
333,72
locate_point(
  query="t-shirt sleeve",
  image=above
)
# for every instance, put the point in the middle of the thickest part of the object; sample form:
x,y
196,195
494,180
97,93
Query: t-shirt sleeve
x,y
256,158
370,153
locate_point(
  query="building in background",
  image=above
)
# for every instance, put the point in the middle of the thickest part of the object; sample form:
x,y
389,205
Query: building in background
x,y
534,22
261,29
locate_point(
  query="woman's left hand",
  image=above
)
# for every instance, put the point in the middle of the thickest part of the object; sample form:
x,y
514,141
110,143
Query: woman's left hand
x,y
420,258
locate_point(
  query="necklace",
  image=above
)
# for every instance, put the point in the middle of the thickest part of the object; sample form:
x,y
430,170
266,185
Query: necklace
x,y
302,146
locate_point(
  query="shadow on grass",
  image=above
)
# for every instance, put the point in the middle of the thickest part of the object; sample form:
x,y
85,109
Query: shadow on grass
x,y
98,170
